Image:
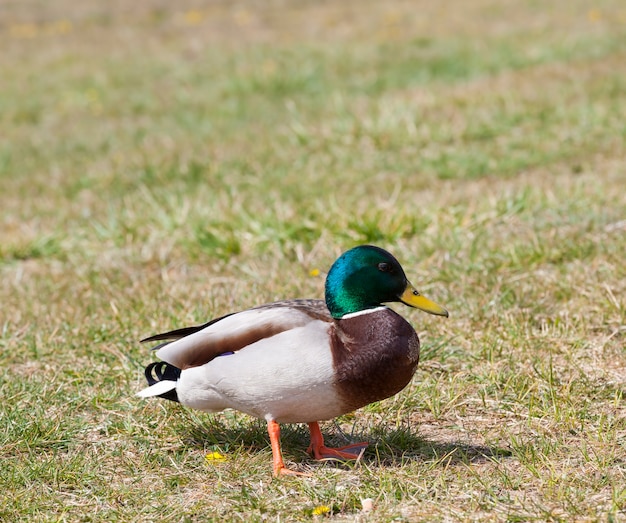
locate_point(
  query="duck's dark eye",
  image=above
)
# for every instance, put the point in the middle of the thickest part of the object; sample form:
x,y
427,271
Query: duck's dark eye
x,y
385,267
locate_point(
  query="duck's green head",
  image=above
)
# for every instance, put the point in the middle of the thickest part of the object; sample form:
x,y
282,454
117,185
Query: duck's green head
x,y
366,277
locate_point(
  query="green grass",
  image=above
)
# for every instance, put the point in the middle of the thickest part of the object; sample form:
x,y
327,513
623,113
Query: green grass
x,y
164,164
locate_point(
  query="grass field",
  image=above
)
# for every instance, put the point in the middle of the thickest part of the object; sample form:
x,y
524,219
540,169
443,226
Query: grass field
x,y
163,163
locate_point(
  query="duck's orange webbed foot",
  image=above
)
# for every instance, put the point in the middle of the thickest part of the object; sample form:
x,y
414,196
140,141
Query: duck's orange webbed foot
x,y
321,451
280,469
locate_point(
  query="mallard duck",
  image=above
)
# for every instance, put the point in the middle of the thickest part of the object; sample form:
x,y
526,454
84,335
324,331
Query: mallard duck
x,y
300,361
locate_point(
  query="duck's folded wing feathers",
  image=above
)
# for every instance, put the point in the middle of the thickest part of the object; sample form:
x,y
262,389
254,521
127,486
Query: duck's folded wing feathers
x,y
198,345
181,333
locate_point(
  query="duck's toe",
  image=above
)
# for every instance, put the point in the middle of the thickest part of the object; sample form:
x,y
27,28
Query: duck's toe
x,y
284,471
348,452
321,451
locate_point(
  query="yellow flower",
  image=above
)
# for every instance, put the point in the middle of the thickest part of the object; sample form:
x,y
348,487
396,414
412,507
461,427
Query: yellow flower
x,y
594,15
321,510
214,456
194,17
314,272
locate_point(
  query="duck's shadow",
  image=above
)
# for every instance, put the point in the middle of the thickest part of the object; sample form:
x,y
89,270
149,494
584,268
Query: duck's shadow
x,y
386,448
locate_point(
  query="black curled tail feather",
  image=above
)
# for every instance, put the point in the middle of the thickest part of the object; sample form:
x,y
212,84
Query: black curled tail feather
x,y
160,371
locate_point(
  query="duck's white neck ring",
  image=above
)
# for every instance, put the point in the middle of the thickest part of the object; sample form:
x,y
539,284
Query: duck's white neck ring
x,y
361,313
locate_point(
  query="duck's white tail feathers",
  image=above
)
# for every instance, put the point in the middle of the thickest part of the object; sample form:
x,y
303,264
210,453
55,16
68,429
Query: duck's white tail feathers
x,y
162,378
158,389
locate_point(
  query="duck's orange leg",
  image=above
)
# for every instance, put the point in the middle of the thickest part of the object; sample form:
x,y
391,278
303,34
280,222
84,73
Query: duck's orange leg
x,y
321,451
280,469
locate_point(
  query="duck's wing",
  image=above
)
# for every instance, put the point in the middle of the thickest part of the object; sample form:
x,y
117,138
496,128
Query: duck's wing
x,y
181,333
194,346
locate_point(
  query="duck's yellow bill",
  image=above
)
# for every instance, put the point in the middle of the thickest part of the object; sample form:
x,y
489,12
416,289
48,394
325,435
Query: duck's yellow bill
x,y
413,298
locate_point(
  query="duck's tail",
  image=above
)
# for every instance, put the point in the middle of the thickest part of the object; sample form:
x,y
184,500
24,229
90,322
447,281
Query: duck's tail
x,y
162,378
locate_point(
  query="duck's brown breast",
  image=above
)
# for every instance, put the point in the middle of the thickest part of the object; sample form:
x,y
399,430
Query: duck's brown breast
x,y
375,356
